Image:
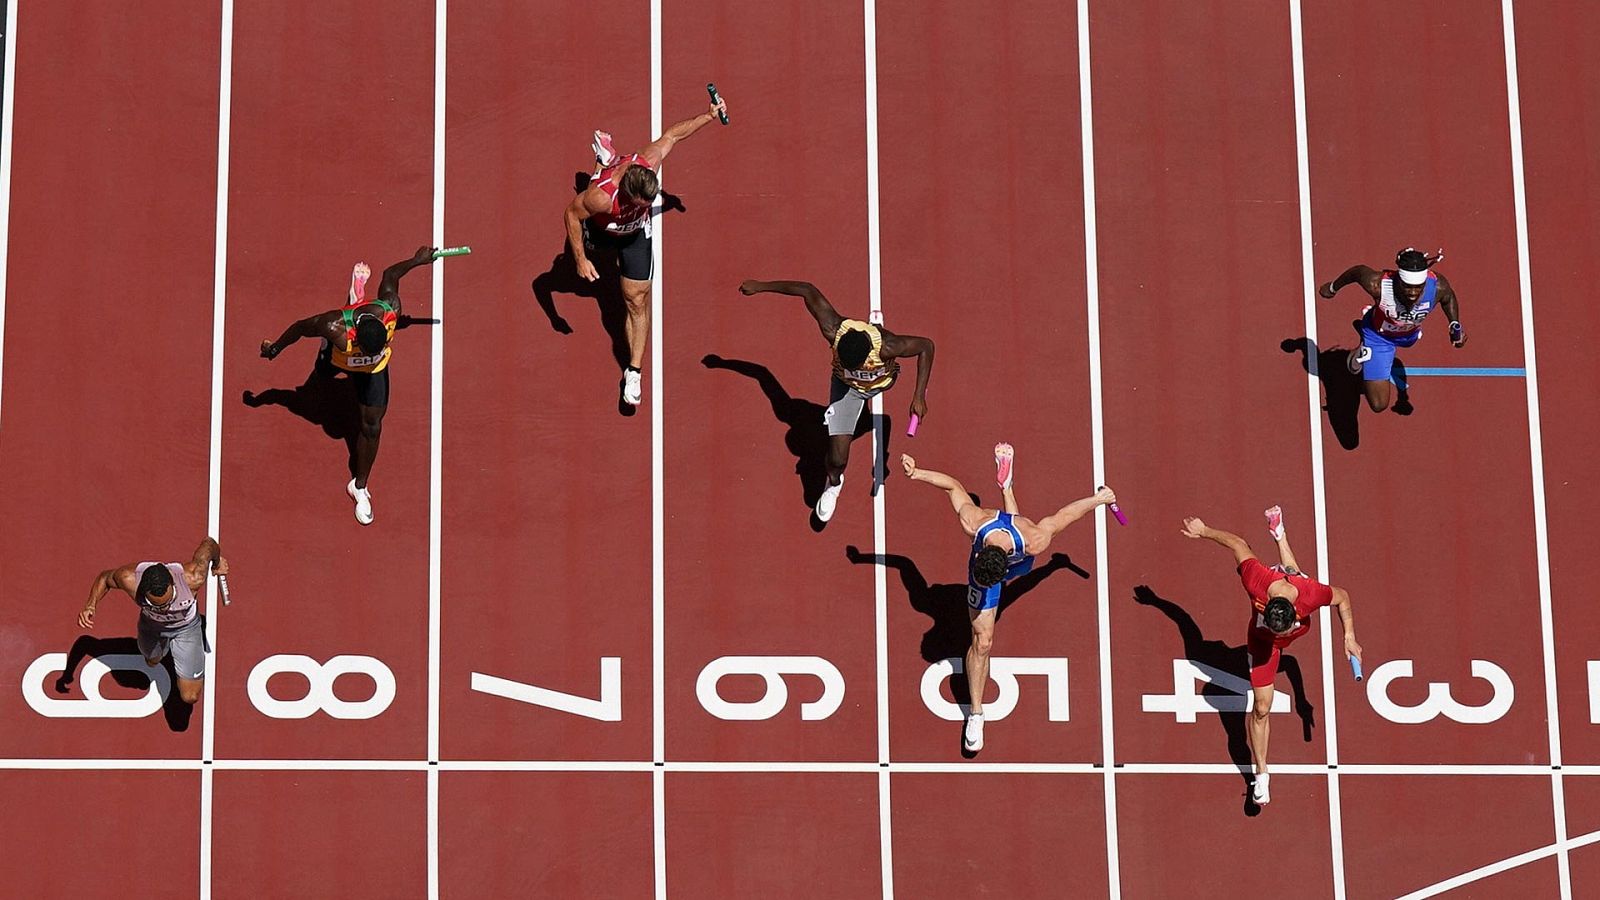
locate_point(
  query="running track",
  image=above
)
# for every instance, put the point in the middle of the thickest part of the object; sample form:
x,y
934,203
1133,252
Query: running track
x,y
1109,291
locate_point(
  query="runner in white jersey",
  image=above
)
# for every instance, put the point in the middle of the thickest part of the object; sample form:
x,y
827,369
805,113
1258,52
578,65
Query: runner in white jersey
x,y
169,610
1402,297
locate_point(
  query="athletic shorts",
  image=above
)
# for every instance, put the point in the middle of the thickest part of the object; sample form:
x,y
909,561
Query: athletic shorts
x,y
845,404
1380,364
186,644
981,599
372,388
633,250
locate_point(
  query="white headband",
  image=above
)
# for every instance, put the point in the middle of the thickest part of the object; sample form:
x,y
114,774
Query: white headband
x,y
1410,277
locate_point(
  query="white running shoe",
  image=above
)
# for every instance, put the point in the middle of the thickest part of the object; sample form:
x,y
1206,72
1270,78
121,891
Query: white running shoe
x,y
1258,790
363,499
604,153
1275,523
828,500
632,387
972,736
1358,358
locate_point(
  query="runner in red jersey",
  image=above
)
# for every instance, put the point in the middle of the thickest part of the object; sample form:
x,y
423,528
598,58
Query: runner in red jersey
x,y
1282,599
613,216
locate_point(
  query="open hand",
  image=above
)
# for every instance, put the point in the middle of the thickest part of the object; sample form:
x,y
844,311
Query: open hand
x,y
86,618
1194,528
586,271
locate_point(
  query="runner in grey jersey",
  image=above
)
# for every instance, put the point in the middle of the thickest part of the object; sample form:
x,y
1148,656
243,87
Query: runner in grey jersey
x,y
169,610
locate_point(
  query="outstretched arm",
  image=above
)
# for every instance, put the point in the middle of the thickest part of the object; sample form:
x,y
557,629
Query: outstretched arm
x,y
1341,603
309,327
1366,276
827,317
389,287
656,151
1194,528
966,510
901,345
1077,509
120,577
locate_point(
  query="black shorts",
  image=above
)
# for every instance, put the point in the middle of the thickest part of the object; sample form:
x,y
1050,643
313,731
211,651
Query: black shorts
x,y
633,250
372,388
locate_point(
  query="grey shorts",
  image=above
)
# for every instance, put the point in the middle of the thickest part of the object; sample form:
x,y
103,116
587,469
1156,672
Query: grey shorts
x,y
845,404
186,644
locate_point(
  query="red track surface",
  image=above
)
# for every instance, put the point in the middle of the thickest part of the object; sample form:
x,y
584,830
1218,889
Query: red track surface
x,y
546,548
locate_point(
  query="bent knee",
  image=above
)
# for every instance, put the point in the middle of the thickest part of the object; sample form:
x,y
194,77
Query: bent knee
x,y
983,642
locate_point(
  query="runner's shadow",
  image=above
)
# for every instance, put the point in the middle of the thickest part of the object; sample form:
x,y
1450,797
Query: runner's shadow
x,y
1342,391
1234,661
807,437
949,631
87,646
327,401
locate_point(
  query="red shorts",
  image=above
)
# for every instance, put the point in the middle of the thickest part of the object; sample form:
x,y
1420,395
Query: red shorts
x,y
1264,656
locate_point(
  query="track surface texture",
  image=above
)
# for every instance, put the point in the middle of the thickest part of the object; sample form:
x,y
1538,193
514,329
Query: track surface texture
x,y
594,651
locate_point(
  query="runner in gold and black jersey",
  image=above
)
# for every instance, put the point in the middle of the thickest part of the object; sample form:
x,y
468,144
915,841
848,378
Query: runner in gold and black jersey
x,y
355,340
865,364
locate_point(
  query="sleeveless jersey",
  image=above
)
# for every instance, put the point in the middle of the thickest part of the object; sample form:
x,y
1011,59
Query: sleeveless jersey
x,y
875,374
1386,317
1313,595
175,614
620,219
350,357
1018,562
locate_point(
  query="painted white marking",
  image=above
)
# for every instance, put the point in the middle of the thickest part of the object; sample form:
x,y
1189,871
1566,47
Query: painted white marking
x,y
1185,701
658,556
319,696
219,310
1097,431
1439,701
1594,692
94,704
606,709
1003,671
7,108
772,670
1541,533
441,20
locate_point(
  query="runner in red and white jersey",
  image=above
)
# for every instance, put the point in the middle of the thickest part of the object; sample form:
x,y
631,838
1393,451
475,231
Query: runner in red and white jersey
x,y
1282,599
613,216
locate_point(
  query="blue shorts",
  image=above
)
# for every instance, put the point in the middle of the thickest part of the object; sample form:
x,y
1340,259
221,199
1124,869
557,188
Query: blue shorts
x,y
1381,363
981,599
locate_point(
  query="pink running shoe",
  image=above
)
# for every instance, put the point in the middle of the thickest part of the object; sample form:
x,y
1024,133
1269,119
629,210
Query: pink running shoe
x,y
1004,465
1275,523
358,283
604,153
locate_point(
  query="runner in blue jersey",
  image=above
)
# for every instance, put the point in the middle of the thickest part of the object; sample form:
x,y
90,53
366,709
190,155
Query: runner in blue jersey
x,y
1402,298
1004,544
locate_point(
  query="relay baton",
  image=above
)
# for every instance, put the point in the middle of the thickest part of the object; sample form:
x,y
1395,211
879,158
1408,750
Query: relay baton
x,y
911,427
1116,510
1355,667
452,251
712,90
222,588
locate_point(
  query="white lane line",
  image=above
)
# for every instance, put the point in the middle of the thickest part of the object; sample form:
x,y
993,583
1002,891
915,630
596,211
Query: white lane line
x,y
1541,534
436,441
879,453
1097,431
6,118
657,498
219,309
1319,495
